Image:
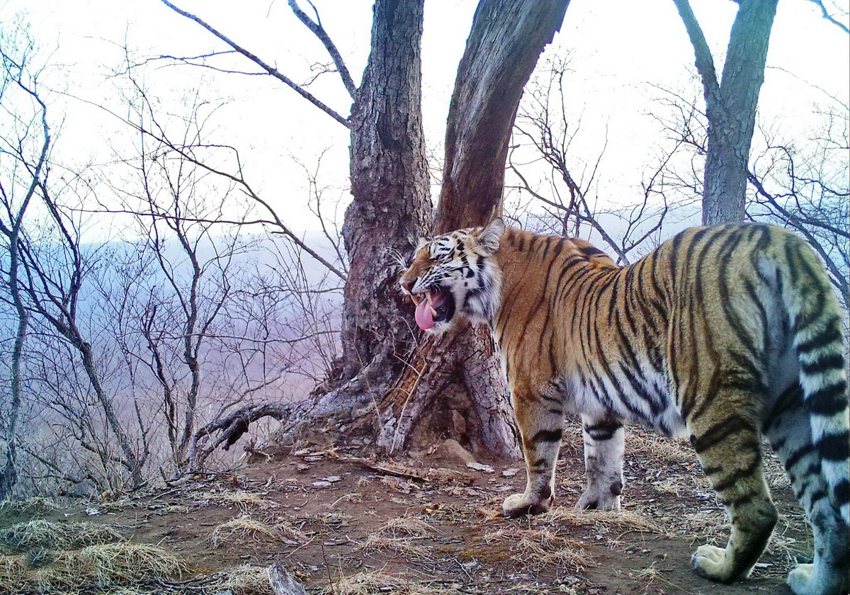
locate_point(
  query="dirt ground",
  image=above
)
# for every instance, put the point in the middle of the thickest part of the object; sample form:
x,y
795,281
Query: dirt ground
x,y
346,525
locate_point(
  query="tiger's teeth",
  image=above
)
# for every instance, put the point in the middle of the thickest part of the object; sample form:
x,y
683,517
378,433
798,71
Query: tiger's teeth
x,y
415,299
433,312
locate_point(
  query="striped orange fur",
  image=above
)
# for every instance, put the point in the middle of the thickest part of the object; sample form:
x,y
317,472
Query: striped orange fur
x,y
723,335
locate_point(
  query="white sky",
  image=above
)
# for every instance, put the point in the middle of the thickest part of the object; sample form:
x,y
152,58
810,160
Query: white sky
x,y
619,48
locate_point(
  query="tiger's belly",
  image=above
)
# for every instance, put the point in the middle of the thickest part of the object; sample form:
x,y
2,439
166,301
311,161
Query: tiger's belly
x,y
639,397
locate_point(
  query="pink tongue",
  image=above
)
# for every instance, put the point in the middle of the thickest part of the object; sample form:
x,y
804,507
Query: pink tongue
x,y
424,316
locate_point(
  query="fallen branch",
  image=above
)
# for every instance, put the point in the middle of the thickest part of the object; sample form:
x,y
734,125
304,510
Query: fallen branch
x,y
385,469
230,429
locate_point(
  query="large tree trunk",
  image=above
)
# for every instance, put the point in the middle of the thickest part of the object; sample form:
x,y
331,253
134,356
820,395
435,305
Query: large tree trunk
x,y
731,104
457,378
389,381
390,211
389,183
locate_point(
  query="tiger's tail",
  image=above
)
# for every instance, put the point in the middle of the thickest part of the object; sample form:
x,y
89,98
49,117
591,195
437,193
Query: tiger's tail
x,y
815,325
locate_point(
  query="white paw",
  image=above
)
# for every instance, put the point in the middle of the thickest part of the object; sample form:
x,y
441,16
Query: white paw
x,y
519,505
710,562
800,580
595,501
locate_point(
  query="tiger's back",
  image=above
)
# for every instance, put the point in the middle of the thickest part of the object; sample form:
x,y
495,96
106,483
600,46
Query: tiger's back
x,y
723,334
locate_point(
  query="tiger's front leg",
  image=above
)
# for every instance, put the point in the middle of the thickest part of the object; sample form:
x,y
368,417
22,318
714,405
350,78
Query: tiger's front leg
x,y
604,443
541,422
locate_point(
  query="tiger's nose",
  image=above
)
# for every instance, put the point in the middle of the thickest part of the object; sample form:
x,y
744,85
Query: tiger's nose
x,y
407,285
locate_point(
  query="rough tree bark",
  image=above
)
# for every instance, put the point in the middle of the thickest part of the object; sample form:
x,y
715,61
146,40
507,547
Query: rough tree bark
x,y
730,104
390,206
390,210
458,376
454,382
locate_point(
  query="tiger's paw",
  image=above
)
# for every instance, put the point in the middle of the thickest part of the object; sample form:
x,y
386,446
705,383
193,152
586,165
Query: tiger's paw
x,y
805,580
519,505
592,500
710,562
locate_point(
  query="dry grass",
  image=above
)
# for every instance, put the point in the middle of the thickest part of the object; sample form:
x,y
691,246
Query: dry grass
x,y
31,506
109,564
377,582
105,565
402,546
13,575
659,448
405,527
44,534
257,530
245,580
620,520
651,576
541,548
399,536
241,498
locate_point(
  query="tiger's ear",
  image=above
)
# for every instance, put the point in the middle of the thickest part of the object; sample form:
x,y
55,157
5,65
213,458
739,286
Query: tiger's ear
x,y
491,235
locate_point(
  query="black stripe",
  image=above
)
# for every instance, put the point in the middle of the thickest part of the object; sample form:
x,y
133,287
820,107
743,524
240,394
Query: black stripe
x,y
547,436
738,327
818,495
842,492
591,251
832,334
740,474
797,455
792,398
835,447
740,500
547,244
607,425
828,400
833,361
558,247
720,431
790,257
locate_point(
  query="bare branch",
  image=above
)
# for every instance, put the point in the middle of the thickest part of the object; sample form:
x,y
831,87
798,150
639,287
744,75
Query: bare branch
x,y
704,59
319,31
826,14
258,61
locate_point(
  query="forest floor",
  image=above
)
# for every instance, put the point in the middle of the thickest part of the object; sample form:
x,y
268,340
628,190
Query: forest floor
x,y
420,525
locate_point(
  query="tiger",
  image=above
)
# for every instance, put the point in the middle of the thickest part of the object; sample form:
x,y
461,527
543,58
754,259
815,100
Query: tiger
x,y
723,335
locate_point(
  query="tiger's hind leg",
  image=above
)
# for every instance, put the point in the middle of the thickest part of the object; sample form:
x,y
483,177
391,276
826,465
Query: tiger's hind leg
x,y
727,444
541,422
604,443
788,427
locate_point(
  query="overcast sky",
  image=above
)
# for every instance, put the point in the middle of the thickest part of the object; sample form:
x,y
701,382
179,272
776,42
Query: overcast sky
x,y
621,50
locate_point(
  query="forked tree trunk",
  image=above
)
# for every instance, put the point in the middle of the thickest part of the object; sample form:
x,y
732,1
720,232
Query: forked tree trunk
x,y
731,104
390,381
457,378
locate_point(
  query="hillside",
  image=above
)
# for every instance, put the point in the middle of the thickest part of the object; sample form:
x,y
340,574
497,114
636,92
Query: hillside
x,y
424,525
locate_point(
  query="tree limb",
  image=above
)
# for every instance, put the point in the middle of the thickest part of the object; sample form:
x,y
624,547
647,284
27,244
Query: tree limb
x,y
259,62
319,31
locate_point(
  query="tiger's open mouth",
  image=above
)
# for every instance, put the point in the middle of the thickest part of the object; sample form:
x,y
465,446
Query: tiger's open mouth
x,y
437,306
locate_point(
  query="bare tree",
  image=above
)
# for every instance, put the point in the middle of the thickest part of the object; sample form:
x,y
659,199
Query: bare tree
x,y
24,147
804,185
546,131
731,103
390,210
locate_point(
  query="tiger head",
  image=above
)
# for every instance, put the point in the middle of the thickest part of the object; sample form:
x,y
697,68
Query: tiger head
x,y
455,274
